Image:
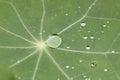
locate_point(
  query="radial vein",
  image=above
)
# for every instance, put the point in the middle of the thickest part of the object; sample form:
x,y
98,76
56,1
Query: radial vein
x,y
87,52
84,16
93,17
23,59
115,52
114,41
58,66
17,47
42,19
37,65
21,20
16,35
112,67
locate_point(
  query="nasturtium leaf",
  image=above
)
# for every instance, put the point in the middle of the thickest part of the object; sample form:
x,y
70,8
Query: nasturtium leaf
x,y
86,47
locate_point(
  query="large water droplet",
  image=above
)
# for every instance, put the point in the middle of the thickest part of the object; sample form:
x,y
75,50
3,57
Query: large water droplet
x,y
54,41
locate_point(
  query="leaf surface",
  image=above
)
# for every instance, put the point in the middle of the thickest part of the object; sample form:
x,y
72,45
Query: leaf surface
x,y
90,35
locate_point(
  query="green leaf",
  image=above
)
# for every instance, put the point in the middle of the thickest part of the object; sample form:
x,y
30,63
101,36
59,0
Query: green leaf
x,y
90,35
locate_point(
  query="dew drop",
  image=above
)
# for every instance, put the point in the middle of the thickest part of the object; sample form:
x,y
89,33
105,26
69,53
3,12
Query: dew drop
x,y
104,25
72,67
89,31
113,51
102,31
85,37
54,41
79,30
83,24
84,76
66,14
67,66
73,40
80,61
108,26
91,37
68,47
88,47
79,7
105,70
99,38
108,22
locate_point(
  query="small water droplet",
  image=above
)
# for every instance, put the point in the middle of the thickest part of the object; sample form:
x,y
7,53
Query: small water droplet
x,y
73,40
99,38
108,22
66,14
104,25
80,61
88,47
84,76
83,24
113,51
79,30
67,66
79,7
102,31
68,47
105,70
72,67
91,37
108,26
85,37
89,31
